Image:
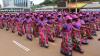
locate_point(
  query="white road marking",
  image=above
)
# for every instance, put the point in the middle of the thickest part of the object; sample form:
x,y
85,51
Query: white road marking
x,y
49,42
23,47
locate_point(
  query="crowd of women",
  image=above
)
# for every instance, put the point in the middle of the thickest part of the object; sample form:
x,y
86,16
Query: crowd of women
x,y
74,28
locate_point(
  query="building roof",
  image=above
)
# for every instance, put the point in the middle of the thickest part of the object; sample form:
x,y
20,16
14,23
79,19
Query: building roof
x,y
92,6
79,5
48,7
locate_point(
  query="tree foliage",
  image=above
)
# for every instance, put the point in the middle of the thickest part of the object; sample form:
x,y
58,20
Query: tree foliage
x,y
51,2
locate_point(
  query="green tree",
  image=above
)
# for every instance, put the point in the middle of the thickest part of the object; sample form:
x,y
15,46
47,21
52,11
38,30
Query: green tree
x,y
50,2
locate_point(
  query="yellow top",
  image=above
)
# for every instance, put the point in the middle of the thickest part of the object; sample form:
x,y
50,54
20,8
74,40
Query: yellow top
x,y
79,5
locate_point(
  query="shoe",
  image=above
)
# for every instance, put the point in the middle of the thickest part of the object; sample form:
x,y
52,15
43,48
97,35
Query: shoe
x,y
1,27
13,31
99,39
59,36
46,46
81,51
98,29
30,38
62,53
19,34
7,29
89,37
95,35
23,33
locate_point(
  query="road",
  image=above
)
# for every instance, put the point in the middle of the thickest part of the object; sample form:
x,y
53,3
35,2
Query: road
x,y
11,44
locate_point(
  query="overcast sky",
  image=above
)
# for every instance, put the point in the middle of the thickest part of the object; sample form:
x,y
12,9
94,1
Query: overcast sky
x,y
34,1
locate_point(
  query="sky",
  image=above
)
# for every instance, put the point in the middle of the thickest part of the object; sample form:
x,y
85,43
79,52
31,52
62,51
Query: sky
x,y
34,1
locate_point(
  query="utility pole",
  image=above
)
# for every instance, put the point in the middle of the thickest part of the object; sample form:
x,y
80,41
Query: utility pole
x,y
69,6
76,6
61,8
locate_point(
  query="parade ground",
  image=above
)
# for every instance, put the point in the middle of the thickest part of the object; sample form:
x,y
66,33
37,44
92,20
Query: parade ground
x,y
14,45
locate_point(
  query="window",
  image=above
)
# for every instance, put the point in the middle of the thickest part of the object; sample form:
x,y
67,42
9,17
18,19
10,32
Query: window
x,y
26,3
22,2
16,2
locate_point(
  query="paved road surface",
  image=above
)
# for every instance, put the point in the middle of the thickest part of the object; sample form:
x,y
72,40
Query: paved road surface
x,y
10,46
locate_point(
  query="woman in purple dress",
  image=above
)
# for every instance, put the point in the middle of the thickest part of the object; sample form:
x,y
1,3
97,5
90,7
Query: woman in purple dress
x,y
66,45
6,19
59,25
11,20
50,30
20,28
43,38
1,22
84,37
93,24
77,41
88,21
28,22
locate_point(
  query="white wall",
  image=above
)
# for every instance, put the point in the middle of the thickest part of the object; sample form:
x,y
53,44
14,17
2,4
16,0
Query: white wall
x,y
11,2
28,3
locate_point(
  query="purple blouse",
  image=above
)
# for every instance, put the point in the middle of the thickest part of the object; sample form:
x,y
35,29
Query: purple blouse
x,y
59,19
87,19
12,19
36,20
41,24
0,17
28,21
50,22
82,22
67,27
18,19
5,18
76,25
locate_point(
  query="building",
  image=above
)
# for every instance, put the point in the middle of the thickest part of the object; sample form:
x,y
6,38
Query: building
x,y
94,7
31,4
14,6
18,3
5,3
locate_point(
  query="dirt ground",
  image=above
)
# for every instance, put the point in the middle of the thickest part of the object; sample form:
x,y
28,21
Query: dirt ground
x,y
9,48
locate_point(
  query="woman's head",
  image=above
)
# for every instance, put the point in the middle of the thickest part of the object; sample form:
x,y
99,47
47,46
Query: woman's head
x,y
41,17
59,15
49,17
68,19
94,14
27,16
81,16
87,14
75,18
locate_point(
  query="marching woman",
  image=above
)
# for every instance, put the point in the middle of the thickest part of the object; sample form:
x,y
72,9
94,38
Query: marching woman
x,y
93,24
1,22
87,21
77,44
11,20
97,21
59,25
6,19
66,45
35,23
28,22
83,34
20,28
43,38
50,30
